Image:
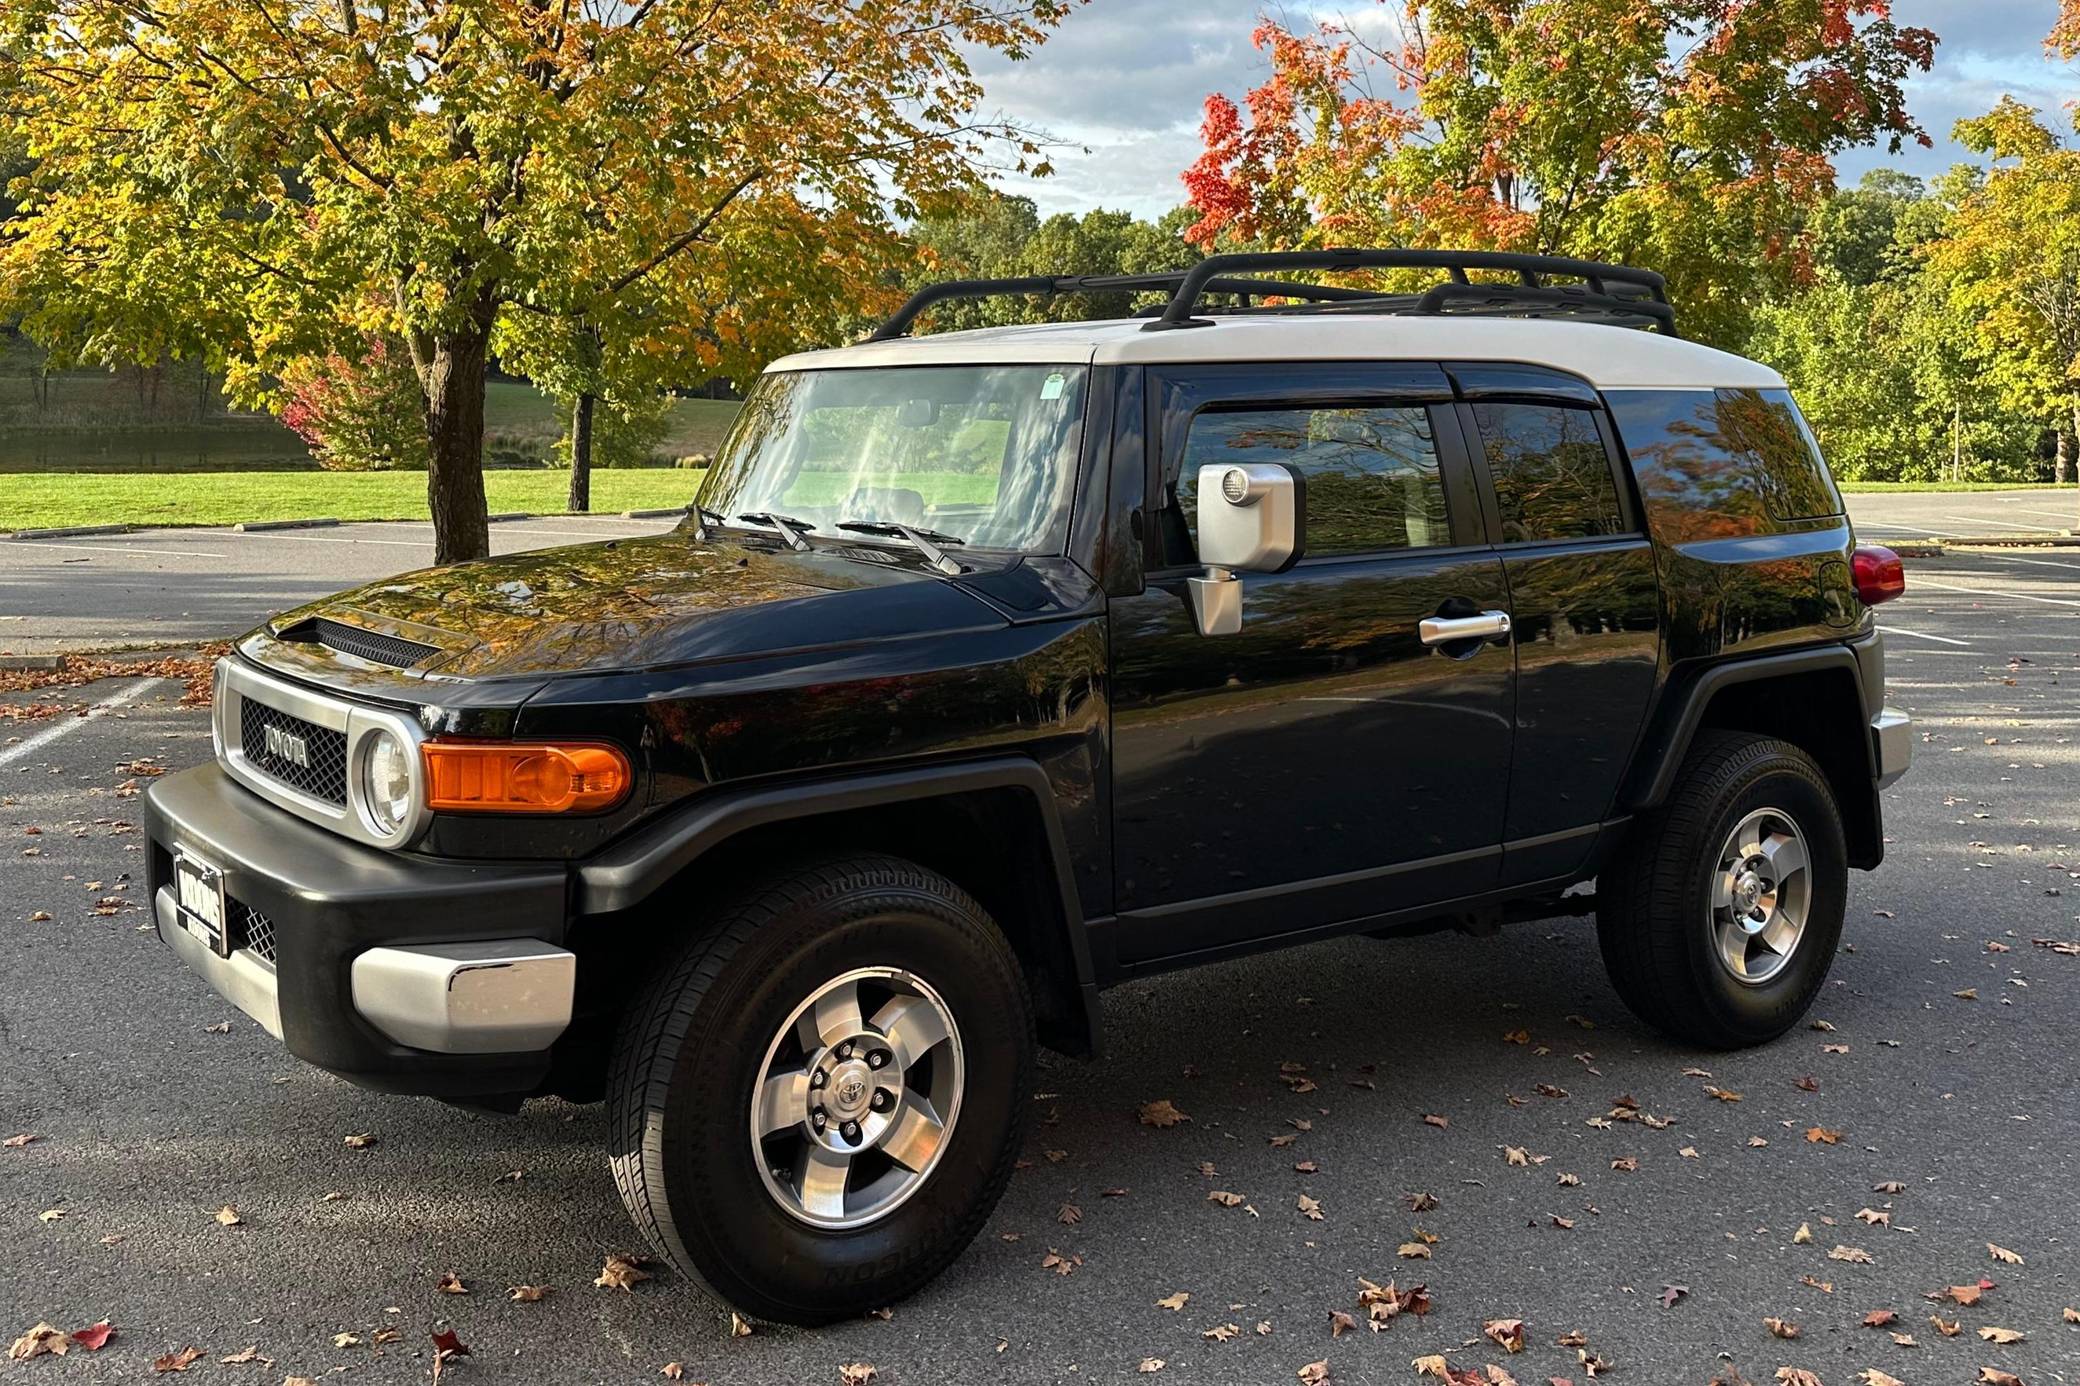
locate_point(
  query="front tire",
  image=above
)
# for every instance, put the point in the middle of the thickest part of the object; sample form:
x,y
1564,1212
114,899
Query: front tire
x,y
1720,919
817,1105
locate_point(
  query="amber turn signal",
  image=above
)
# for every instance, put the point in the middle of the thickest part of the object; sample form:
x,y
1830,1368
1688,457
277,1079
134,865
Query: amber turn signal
x,y
523,777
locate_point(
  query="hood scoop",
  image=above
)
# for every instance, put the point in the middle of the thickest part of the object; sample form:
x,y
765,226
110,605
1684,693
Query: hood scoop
x,y
375,646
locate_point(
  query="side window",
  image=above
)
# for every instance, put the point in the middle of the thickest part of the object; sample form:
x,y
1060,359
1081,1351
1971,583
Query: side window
x,y
1372,473
1552,476
1715,464
1767,426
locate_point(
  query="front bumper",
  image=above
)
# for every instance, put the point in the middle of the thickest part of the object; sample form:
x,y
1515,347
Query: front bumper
x,y
1892,744
404,973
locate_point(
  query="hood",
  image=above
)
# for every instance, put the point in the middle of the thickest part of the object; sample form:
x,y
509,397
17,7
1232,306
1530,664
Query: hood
x,y
632,603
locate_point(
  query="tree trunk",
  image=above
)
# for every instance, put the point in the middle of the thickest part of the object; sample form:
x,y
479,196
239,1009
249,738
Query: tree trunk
x,y
581,453
453,381
2062,461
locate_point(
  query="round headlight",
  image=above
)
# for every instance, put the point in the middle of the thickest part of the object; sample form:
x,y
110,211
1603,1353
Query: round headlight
x,y
386,782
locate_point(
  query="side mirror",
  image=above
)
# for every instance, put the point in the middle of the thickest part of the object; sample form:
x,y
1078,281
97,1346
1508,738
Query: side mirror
x,y
1252,517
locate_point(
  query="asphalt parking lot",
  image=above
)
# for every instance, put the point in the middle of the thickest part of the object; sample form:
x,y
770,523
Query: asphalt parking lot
x,y
188,586
1944,1076
1900,515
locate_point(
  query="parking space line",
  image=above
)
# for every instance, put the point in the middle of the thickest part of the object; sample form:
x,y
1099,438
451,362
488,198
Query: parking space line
x,y
1922,635
2071,517
2016,524
120,698
1988,592
109,548
2039,562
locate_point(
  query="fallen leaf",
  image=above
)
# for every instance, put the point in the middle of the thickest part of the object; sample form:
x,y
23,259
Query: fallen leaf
x,y
1068,1215
39,1341
1949,1328
1820,1135
1314,1373
451,1284
1507,1334
245,1356
1879,1318
1968,994
1871,1376
1175,1302
672,1371
177,1361
1966,1295
1432,1119
2070,1314
1221,1332
1797,1376
860,1373
1150,1365
1224,1198
529,1294
1311,1209
1161,1113
1433,1365
1874,1216
2001,1336
94,1337
17,1142
739,1326
1781,1328
228,1216
2003,1255
1413,1251
360,1140
1855,1255
1994,1376
1060,1264
1340,1323
1627,1163
620,1273
1721,1093
346,1340
1498,1377
1669,1295
1803,1235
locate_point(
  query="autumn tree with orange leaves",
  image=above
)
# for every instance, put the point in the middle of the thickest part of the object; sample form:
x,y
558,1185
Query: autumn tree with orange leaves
x,y
668,183
1692,136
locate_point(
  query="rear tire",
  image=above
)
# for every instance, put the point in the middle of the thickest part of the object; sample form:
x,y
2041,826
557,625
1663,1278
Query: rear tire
x,y
1720,918
867,989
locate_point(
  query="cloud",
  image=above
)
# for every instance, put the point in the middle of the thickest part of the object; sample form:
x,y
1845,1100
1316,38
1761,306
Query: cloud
x,y
1122,83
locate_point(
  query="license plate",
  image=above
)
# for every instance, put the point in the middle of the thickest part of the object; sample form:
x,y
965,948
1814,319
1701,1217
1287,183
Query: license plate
x,y
198,892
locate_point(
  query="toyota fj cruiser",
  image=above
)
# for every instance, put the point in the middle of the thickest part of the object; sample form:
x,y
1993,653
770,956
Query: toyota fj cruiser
x,y
993,668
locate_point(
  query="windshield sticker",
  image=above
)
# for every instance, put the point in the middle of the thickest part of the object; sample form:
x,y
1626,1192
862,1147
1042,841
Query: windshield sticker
x,y
1051,388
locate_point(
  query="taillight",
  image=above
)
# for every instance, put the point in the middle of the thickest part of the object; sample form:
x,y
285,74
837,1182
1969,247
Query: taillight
x,y
1879,574
523,777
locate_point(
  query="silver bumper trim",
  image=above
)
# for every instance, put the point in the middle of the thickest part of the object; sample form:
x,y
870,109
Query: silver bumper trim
x,y
241,979
1892,742
490,996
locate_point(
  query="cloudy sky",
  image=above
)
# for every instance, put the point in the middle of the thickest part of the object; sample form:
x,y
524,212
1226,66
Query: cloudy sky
x,y
1126,79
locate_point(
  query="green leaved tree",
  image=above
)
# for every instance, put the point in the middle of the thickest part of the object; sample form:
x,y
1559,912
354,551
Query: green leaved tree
x,y
264,182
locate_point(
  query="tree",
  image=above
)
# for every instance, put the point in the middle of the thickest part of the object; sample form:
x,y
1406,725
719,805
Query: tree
x,y
2011,256
2064,39
993,236
1683,134
280,178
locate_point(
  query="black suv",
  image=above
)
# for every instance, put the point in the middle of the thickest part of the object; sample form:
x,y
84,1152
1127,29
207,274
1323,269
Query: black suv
x,y
995,668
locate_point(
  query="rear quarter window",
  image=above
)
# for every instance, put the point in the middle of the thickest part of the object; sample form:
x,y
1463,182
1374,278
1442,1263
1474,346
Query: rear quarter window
x,y
1722,463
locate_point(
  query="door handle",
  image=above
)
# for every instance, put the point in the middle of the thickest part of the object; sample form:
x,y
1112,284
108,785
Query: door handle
x,y
1447,630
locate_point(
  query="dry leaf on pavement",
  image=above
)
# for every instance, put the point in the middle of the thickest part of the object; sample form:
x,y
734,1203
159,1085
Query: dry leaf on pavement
x,y
2001,1336
1150,1365
1309,1208
1161,1113
2003,1255
1314,1373
1855,1255
177,1361
1781,1328
1507,1334
1174,1302
621,1273
530,1294
94,1337
856,1374
37,1342
451,1284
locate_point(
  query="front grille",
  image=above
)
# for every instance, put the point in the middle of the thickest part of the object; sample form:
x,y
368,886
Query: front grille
x,y
371,645
256,931
323,776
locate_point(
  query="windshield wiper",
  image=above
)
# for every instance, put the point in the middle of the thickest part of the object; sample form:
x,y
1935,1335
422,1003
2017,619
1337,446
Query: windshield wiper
x,y
919,539
790,528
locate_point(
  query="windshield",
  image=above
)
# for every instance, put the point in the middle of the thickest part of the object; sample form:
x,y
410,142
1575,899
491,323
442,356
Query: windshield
x,y
977,455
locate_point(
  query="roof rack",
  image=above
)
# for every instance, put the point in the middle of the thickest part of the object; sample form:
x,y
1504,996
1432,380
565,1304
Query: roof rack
x,y
898,325
1607,291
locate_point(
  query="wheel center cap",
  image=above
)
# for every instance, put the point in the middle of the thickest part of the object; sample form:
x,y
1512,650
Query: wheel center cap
x,y
851,1084
1747,893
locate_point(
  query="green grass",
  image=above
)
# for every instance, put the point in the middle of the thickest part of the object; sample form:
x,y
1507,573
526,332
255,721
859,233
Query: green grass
x,y
39,500
1854,488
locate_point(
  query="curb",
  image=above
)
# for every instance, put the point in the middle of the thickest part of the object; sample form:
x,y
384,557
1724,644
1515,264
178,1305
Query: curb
x,y
2016,541
68,531
37,663
510,515
253,526
1927,549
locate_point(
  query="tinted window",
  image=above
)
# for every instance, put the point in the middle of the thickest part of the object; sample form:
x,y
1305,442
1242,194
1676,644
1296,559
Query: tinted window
x,y
1552,476
1718,464
1372,478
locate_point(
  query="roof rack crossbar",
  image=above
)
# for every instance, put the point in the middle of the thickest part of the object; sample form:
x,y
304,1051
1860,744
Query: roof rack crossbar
x,y
899,323
1530,271
1434,300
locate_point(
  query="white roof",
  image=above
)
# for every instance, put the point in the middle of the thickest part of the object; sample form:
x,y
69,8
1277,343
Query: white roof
x,y
1608,357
